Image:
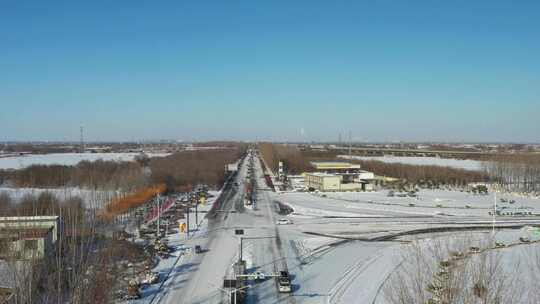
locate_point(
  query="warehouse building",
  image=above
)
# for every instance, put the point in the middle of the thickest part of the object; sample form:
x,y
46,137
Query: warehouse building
x,y
350,176
28,237
323,181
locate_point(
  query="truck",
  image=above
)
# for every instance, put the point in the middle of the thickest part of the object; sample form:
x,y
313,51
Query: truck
x,y
284,282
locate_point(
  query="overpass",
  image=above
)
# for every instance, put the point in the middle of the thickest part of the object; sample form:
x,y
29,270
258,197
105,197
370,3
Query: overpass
x,y
373,151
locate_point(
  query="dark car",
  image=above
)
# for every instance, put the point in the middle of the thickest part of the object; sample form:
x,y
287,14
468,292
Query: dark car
x,y
284,282
198,249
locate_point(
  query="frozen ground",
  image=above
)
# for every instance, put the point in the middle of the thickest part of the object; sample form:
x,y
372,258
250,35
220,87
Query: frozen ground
x,y
516,261
466,164
68,159
332,270
428,203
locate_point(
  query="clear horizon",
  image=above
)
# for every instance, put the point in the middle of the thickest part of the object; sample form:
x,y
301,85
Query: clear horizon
x,y
279,71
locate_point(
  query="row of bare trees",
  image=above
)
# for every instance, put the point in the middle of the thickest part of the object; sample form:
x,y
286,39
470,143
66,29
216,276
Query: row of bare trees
x,y
292,157
443,271
188,168
98,174
177,170
421,174
515,172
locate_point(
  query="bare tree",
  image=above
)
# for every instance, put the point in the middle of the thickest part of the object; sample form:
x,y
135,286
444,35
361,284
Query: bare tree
x,y
443,271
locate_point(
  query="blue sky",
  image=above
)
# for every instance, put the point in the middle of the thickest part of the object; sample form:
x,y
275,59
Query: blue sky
x,y
198,70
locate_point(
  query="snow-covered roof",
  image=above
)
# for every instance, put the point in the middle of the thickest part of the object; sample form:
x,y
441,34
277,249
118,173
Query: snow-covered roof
x,y
320,174
334,165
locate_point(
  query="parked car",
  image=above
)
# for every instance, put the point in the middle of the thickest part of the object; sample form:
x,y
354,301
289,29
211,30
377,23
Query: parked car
x,y
198,249
283,222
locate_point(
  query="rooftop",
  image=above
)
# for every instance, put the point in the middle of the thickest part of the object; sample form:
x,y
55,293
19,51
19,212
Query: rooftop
x,y
334,165
322,174
22,233
28,218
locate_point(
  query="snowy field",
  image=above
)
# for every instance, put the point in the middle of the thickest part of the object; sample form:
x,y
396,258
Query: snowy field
x,y
467,164
428,202
516,261
359,269
68,159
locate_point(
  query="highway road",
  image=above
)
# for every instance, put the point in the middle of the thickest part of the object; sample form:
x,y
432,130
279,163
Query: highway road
x,y
198,278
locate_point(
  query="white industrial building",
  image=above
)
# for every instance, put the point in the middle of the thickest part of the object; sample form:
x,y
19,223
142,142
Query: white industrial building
x,y
339,176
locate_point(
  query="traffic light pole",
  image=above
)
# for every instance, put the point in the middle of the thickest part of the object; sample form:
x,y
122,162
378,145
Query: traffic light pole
x,y
187,220
158,232
196,213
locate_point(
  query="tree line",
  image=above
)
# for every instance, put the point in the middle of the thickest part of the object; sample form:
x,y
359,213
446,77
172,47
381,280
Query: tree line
x,y
292,157
97,174
515,172
183,170
176,171
423,174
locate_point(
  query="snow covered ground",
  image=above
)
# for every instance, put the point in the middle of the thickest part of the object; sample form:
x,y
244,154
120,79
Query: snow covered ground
x,y
330,270
68,159
428,202
516,262
466,164
335,258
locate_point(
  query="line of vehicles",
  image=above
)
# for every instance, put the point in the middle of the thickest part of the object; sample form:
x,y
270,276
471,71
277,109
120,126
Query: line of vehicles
x,y
282,278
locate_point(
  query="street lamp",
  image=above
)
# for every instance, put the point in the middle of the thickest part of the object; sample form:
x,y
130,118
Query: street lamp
x,y
494,211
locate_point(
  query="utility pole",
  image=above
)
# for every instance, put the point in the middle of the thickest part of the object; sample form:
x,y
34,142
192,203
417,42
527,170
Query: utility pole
x,y
158,199
494,210
197,210
350,143
81,148
240,255
187,220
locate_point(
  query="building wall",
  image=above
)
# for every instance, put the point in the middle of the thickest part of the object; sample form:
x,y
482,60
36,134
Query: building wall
x,y
351,187
366,175
31,248
323,182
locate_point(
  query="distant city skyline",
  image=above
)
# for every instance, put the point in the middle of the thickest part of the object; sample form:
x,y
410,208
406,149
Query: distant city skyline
x,y
387,71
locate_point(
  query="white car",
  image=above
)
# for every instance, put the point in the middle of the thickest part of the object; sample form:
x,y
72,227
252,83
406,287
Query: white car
x,y
283,222
259,276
